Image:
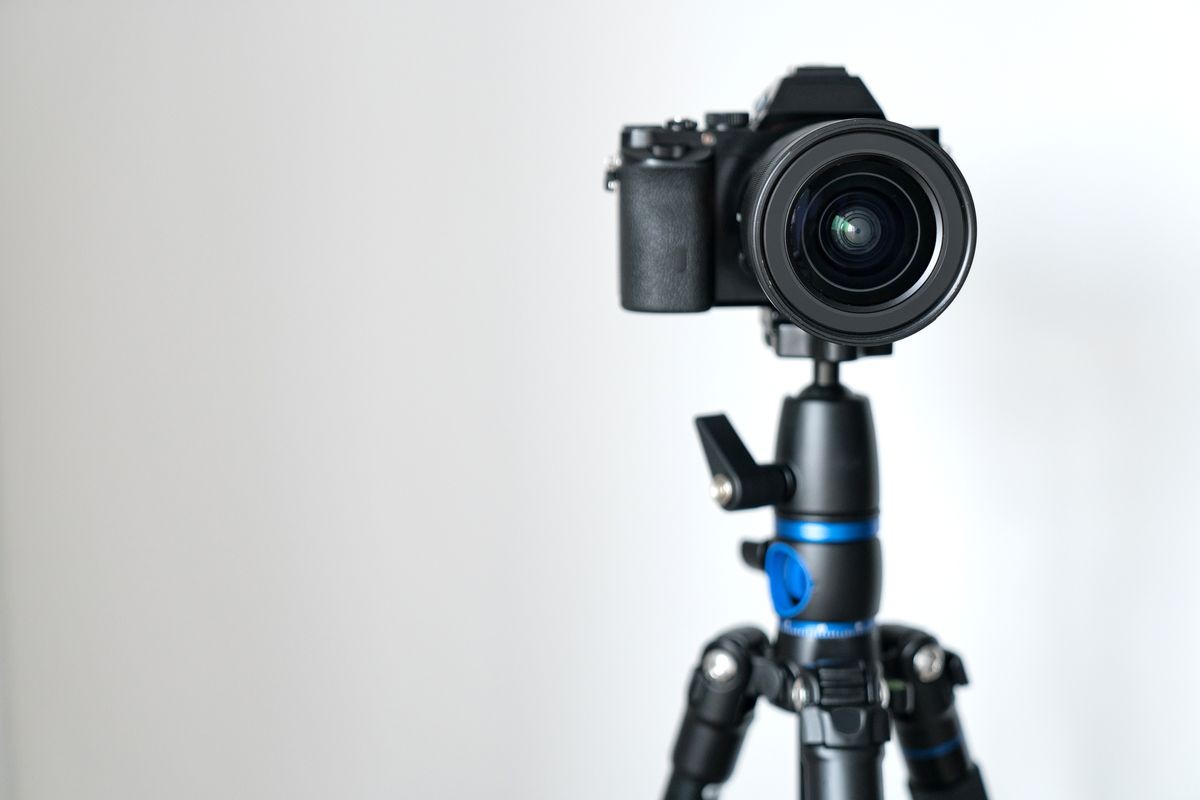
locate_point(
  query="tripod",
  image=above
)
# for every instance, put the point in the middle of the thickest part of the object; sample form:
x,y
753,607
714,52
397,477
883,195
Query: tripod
x,y
847,678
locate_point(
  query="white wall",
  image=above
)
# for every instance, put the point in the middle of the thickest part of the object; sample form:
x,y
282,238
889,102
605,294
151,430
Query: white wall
x,y
330,468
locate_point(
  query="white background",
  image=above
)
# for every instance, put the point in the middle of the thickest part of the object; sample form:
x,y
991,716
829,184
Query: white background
x,y
329,466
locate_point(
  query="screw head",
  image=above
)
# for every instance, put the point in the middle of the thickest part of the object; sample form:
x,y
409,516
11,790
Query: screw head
x,y
929,662
799,694
719,666
721,489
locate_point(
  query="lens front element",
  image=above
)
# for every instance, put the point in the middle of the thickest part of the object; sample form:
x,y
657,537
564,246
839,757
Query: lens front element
x,y
856,230
860,233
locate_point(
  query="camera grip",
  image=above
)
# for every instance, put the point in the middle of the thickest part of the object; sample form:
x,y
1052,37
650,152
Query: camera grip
x,y
666,210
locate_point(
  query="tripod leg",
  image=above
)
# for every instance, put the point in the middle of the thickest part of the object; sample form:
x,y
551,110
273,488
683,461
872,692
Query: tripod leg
x,y
922,677
721,700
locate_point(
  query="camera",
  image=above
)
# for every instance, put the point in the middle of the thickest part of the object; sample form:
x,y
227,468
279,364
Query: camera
x,y
858,230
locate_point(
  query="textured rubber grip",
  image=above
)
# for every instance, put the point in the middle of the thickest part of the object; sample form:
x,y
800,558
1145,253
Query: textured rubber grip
x,y
666,235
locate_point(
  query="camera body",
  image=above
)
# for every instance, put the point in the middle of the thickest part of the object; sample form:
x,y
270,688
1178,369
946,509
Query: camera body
x,y
696,230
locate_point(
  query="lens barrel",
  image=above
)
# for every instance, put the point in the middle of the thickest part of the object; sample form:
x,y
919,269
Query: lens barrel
x,y
860,231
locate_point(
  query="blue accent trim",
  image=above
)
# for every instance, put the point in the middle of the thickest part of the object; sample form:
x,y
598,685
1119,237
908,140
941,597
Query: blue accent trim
x,y
825,630
795,530
789,579
937,751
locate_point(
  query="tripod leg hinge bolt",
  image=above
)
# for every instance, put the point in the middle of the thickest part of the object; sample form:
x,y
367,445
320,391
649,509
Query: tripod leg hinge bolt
x,y
719,666
799,694
884,691
721,489
929,662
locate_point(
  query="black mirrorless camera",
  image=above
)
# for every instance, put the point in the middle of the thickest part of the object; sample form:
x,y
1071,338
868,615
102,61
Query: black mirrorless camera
x,y
858,230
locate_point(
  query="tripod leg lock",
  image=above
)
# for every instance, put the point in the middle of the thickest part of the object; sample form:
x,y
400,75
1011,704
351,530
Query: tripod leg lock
x,y
922,676
846,709
734,671
843,728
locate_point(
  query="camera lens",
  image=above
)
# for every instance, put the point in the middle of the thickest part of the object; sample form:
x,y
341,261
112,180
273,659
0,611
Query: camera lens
x,y
858,231
855,233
